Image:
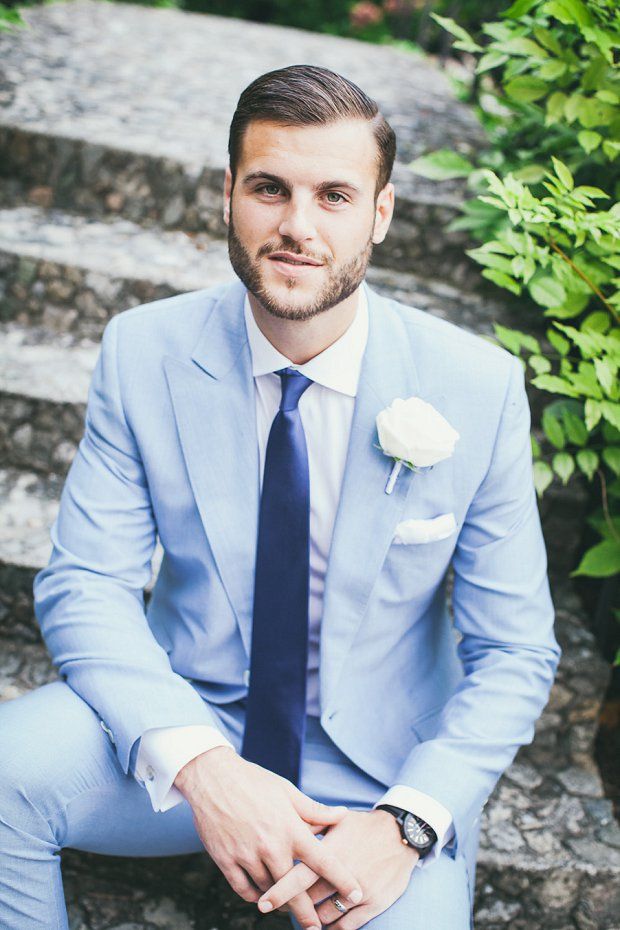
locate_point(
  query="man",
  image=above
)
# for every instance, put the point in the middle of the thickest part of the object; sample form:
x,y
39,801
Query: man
x,y
297,654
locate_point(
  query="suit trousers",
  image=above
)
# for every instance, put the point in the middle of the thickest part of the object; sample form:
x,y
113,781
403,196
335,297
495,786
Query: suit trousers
x,y
61,786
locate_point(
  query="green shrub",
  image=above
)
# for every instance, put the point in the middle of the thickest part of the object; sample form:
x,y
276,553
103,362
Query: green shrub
x,y
545,208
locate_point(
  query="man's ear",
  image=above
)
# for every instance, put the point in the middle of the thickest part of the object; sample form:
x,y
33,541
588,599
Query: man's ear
x,y
227,193
384,210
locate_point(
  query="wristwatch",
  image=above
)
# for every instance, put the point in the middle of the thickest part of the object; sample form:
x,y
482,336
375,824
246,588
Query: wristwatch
x,y
414,831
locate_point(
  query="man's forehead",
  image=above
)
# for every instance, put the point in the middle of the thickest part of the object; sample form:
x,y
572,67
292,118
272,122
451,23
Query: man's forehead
x,y
344,150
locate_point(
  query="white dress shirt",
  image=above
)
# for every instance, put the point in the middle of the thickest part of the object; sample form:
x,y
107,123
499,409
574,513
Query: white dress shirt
x,y
326,411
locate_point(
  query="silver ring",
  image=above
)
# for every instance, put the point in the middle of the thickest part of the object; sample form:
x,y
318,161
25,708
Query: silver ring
x,y
337,903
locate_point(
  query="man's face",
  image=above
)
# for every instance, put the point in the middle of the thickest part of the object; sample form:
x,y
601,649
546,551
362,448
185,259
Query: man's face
x,y
307,191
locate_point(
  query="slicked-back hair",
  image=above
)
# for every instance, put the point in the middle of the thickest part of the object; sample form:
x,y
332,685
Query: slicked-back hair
x,y
304,95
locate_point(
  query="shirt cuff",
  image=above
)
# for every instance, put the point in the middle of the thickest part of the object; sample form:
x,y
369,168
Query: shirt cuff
x,y
435,814
162,754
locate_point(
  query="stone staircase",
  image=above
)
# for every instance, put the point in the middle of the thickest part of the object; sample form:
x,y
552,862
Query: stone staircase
x,y
113,124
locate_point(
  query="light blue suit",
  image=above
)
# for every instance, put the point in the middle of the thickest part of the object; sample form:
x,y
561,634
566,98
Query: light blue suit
x,y
170,447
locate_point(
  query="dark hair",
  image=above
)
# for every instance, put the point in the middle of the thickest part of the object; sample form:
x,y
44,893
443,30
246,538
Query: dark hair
x,y
301,95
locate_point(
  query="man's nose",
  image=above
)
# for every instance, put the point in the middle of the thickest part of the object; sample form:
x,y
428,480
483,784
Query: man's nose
x,y
297,222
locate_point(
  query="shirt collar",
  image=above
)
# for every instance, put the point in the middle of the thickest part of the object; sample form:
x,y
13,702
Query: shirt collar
x,y
336,367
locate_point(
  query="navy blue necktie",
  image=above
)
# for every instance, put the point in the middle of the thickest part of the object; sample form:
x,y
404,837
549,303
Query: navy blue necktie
x,y
276,704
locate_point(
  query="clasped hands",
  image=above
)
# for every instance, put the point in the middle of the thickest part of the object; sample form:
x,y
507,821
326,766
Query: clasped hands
x,y
368,845
254,824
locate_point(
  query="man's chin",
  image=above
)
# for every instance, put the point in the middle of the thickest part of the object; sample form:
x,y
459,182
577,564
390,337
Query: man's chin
x,y
284,302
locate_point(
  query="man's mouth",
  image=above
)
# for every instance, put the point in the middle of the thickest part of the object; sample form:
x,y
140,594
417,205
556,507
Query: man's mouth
x,y
292,259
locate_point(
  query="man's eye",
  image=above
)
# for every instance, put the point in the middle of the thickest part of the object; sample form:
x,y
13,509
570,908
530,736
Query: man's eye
x,y
335,194
264,187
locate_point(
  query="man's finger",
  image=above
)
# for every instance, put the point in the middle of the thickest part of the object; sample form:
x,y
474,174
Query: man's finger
x,y
302,907
357,917
320,890
301,877
318,859
289,886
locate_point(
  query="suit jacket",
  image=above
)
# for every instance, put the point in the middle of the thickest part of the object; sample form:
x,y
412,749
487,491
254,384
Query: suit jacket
x,y
170,448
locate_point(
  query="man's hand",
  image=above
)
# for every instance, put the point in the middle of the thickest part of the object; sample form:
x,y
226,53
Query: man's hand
x,y
254,824
370,845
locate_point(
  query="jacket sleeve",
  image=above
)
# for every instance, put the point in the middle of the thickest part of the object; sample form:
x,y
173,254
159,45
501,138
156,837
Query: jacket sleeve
x,y
504,614
89,600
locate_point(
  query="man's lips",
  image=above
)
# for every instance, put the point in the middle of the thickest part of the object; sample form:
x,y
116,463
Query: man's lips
x,y
291,258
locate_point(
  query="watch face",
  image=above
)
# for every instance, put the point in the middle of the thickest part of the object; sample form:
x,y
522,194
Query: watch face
x,y
415,833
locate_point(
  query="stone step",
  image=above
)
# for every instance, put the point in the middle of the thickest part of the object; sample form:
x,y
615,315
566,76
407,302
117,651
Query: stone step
x,y
69,274
95,123
550,847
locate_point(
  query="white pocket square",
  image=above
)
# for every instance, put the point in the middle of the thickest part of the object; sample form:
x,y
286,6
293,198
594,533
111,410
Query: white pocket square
x,y
424,531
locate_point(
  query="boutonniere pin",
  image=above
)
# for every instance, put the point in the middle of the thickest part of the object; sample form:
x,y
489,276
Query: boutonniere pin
x,y
415,435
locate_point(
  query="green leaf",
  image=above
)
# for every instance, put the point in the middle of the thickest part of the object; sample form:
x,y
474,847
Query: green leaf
x,y
558,341
526,89
509,338
587,460
535,446
563,173
490,60
540,364
592,112
611,412
553,430
441,165
519,45
571,107
574,427
465,40
563,465
519,8
552,69
490,259
611,457
593,412
543,476
611,148
554,385
546,291
594,192
589,140
601,561
598,321
568,12
502,279
555,107
606,374
530,174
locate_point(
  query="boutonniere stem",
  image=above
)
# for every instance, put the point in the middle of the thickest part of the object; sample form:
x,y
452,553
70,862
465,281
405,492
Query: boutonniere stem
x,y
393,476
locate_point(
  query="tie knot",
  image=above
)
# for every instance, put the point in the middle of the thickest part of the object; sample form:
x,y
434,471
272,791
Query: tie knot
x,y
293,386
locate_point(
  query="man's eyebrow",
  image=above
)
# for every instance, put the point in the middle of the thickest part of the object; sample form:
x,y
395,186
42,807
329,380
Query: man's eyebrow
x,y
324,185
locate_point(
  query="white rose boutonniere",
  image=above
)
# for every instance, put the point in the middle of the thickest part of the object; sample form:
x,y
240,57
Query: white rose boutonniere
x,y
414,434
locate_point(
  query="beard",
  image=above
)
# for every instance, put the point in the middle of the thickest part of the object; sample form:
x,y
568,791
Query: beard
x,y
342,280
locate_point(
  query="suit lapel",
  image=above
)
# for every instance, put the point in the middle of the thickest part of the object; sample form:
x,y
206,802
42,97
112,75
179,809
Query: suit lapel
x,y
214,407
366,517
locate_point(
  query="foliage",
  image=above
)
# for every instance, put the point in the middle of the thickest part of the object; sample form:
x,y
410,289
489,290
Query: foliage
x,y
9,18
547,90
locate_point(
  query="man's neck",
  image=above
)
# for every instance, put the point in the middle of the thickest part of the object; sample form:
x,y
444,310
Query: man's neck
x,y
301,340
